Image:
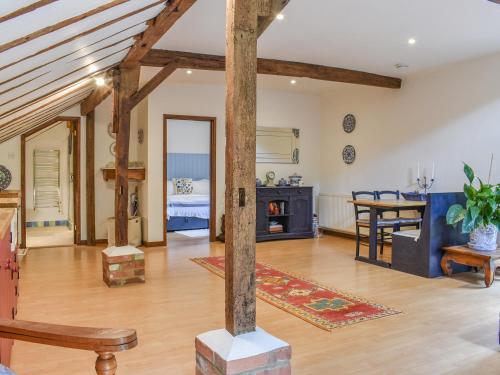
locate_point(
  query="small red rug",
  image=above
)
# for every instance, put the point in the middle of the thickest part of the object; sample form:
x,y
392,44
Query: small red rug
x,y
319,305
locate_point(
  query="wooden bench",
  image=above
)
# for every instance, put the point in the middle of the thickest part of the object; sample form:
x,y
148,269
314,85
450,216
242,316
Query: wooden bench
x,y
466,256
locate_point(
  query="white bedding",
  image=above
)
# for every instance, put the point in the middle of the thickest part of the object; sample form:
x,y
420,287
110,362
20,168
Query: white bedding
x,y
192,205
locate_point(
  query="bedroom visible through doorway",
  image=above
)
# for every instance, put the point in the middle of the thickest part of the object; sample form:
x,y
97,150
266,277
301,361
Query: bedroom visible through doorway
x,y
189,178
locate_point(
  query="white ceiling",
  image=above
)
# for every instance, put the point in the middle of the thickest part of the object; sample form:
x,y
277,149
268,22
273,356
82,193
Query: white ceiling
x,y
43,76
48,74
368,35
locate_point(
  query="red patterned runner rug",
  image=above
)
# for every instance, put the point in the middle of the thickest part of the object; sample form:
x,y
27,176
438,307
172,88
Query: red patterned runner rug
x,y
324,307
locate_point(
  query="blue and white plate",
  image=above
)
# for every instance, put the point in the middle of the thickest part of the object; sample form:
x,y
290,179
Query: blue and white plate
x,y
5,177
349,154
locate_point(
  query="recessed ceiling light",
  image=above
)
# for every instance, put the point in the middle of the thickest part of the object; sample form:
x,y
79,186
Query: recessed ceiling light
x,y
280,16
293,82
412,41
189,71
99,81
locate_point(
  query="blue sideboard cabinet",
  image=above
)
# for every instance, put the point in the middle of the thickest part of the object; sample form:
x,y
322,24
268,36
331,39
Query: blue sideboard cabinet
x,y
294,212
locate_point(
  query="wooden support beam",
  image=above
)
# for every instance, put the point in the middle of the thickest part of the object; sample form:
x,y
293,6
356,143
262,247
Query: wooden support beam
x,y
156,29
59,25
125,83
26,9
269,9
90,167
241,81
98,95
152,84
272,67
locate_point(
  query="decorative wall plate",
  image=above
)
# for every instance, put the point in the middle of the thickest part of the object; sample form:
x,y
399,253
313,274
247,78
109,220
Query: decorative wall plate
x,y
110,131
349,154
5,177
349,123
112,148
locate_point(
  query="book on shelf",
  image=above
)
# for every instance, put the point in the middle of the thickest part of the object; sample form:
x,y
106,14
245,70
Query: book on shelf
x,y
275,227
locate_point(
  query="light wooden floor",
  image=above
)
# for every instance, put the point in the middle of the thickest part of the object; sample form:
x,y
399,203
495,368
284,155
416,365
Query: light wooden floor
x,y
49,236
449,326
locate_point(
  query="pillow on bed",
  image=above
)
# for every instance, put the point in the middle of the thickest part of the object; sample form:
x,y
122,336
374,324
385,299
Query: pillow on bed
x,y
201,187
183,186
170,187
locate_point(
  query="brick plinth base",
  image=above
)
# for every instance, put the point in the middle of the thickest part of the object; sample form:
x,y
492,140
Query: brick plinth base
x,y
122,265
255,353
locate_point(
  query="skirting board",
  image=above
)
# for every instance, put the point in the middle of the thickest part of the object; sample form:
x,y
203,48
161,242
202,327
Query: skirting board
x,y
153,244
338,233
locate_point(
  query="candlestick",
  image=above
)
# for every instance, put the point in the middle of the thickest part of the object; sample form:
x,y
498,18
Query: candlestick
x,y
418,170
433,169
425,185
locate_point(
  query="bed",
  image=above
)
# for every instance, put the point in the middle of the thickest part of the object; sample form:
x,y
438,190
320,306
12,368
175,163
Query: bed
x,y
188,211
185,212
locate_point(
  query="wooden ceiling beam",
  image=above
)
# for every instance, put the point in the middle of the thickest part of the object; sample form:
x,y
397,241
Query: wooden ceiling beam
x,y
84,33
25,129
152,84
64,76
156,29
54,92
59,25
97,96
26,9
36,113
94,99
272,67
269,9
47,104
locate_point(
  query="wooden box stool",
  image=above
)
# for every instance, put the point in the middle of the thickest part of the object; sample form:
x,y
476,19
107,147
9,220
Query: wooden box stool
x,y
489,260
122,265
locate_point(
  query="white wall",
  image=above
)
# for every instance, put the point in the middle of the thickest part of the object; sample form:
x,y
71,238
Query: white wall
x,y
55,138
188,137
448,116
10,157
274,108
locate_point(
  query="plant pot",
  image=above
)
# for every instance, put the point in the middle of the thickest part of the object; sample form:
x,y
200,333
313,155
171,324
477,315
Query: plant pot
x,y
484,238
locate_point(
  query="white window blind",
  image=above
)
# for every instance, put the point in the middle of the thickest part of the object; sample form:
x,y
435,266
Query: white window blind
x,y
46,179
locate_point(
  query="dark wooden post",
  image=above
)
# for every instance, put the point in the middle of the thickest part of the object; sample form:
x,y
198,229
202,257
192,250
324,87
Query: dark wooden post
x,y
241,81
125,83
90,145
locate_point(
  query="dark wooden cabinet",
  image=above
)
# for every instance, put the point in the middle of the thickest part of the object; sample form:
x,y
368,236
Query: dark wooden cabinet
x,y
286,210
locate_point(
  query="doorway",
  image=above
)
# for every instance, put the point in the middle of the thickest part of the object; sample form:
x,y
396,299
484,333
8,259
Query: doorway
x,y
50,184
189,178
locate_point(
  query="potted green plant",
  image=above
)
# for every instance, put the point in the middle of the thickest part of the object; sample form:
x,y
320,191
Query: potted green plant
x,y
481,215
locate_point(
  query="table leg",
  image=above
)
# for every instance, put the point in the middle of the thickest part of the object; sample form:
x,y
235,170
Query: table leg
x,y
446,266
489,273
373,234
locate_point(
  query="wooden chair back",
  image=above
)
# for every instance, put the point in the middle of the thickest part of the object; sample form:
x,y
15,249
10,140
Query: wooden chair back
x,y
359,210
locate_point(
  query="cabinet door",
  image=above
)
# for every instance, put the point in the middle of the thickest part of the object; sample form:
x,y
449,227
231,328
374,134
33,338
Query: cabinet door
x,y
6,296
261,216
301,209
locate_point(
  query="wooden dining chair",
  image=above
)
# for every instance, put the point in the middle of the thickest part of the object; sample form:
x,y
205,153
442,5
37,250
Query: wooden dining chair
x,y
364,222
403,221
103,341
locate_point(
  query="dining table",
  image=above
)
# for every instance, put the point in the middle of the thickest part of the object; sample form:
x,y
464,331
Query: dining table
x,y
377,208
